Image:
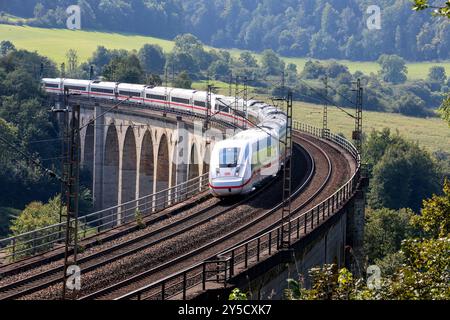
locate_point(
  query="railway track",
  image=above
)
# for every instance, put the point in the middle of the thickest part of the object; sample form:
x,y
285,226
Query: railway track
x,y
54,255
101,258
175,286
121,251
209,249
52,276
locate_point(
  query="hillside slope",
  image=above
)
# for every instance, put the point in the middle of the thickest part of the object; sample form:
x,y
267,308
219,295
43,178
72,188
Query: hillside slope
x,y
54,43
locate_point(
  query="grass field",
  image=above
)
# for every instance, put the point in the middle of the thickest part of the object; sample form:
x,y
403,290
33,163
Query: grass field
x,y
416,70
54,43
432,134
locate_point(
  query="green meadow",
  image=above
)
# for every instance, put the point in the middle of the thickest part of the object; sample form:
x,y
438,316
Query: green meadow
x,y
54,43
431,133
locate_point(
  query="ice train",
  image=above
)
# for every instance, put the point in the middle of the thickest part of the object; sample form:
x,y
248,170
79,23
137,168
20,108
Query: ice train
x,y
238,164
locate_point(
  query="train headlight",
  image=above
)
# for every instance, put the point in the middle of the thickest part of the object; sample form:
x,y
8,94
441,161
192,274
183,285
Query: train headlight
x,y
238,169
217,171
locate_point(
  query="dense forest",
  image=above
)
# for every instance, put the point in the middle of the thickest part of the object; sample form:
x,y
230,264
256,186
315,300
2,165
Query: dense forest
x,y
316,28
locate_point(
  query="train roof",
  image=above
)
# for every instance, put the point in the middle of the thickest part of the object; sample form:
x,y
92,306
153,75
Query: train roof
x,y
98,83
51,80
76,82
231,143
182,92
251,135
130,86
159,90
200,95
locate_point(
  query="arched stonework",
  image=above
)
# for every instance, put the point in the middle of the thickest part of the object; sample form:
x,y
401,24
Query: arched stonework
x,y
194,163
206,158
151,157
193,169
162,169
173,164
146,168
129,172
111,168
88,150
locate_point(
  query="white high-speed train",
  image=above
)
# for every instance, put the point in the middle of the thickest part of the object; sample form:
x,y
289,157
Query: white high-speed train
x,y
190,101
237,165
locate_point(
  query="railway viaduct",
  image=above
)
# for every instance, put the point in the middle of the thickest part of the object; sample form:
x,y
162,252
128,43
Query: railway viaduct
x,y
133,151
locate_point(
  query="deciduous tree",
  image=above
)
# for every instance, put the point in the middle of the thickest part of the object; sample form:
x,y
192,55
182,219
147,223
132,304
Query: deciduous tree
x,y
393,68
152,58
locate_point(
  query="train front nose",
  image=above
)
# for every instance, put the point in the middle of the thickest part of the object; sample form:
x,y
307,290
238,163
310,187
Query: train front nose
x,y
226,186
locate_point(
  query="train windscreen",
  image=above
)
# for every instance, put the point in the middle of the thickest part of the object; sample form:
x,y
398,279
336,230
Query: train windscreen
x,y
229,157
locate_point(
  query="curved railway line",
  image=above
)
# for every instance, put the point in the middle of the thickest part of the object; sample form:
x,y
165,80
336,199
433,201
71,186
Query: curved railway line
x,y
88,263
189,239
310,190
36,281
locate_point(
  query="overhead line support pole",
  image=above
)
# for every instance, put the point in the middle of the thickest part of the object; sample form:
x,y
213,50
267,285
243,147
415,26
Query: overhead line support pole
x,y
72,195
357,134
206,123
287,178
325,111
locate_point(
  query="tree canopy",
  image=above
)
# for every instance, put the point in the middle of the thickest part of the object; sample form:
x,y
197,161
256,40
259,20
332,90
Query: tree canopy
x,y
124,69
319,29
183,81
443,10
152,58
393,68
404,175
424,271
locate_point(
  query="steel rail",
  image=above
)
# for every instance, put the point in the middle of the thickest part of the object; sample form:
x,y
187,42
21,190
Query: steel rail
x,y
334,201
148,273
5,293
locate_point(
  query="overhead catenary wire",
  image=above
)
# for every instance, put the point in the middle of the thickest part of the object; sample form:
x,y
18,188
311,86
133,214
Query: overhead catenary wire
x,y
254,124
326,99
340,94
103,114
30,158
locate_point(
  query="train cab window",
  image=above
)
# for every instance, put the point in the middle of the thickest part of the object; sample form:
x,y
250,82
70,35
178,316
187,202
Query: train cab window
x,y
229,157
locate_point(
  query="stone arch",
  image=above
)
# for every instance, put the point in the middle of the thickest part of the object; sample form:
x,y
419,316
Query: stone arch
x,y
129,171
111,168
174,164
194,163
194,169
162,170
147,167
88,154
206,158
